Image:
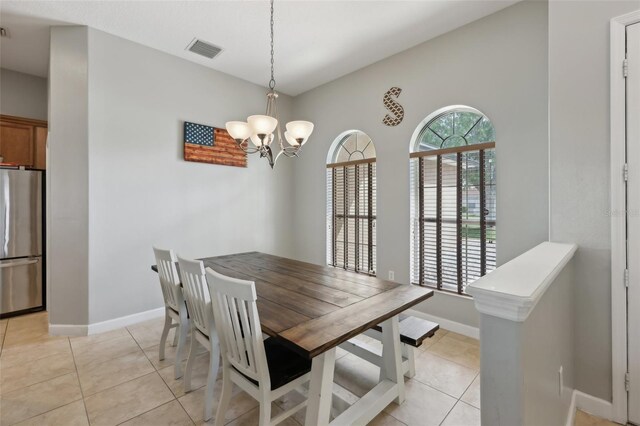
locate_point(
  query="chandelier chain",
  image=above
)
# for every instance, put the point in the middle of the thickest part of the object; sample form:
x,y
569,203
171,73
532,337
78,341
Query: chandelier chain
x,y
272,82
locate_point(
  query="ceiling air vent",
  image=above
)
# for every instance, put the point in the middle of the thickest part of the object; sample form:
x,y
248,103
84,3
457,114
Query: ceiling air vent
x,y
203,48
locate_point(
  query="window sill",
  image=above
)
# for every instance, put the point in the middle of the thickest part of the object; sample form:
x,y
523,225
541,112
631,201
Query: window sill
x,y
446,292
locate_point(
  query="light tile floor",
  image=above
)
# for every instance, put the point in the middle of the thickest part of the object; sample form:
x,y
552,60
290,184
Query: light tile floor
x,y
116,378
584,419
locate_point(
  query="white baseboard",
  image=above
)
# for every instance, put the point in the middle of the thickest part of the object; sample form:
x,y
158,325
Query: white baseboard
x,y
589,404
101,327
67,330
454,326
571,415
592,405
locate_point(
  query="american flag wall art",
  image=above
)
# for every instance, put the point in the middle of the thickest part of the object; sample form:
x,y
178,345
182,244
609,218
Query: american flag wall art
x,y
206,144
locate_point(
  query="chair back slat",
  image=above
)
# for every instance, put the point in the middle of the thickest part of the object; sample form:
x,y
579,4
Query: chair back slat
x,y
196,294
244,318
169,278
236,312
226,319
238,332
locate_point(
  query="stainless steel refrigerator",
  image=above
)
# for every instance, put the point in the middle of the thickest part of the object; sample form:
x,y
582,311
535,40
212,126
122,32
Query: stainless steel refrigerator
x,y
21,242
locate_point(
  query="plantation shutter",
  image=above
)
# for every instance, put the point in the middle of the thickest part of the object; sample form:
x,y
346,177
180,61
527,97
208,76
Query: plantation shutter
x,y
352,215
454,211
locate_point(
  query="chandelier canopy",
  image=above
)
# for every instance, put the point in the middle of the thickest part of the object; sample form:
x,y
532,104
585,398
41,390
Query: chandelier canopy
x,y
263,130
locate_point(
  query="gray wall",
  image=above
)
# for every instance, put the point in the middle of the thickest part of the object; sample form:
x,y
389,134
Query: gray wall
x,y
520,360
141,191
118,183
23,95
579,141
68,177
498,65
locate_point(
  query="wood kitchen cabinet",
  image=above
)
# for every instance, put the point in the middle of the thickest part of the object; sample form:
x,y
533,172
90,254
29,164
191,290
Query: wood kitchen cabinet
x,y
40,148
23,141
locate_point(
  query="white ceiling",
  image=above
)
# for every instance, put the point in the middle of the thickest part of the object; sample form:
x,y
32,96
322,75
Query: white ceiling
x,y
316,41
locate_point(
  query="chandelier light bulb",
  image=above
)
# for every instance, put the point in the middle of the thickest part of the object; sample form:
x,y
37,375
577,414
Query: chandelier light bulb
x,y
291,140
270,139
256,140
262,124
239,130
300,130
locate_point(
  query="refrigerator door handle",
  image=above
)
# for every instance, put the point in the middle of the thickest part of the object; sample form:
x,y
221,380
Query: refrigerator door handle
x,y
18,263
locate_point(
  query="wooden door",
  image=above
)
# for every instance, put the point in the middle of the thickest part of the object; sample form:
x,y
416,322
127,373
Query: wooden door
x,y
16,143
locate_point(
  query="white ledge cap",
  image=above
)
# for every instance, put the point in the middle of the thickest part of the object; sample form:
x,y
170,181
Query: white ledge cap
x,y
512,290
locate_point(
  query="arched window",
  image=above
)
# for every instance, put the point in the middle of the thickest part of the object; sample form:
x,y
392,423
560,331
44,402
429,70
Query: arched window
x,y
453,199
351,203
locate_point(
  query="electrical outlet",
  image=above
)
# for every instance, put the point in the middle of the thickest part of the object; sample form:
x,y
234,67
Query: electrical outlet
x,y
392,276
560,381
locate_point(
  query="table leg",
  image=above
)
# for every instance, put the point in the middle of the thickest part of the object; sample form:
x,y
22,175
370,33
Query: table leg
x,y
321,389
392,355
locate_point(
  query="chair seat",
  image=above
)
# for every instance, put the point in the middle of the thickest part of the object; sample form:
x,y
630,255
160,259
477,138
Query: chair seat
x,y
285,365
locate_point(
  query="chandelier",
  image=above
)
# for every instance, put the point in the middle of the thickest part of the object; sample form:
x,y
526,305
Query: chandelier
x,y
263,130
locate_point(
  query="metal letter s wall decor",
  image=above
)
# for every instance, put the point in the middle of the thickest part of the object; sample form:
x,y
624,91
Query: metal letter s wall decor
x,y
394,107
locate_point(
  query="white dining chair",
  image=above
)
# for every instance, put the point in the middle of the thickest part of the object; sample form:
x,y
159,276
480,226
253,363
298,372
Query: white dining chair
x,y
175,308
203,331
265,369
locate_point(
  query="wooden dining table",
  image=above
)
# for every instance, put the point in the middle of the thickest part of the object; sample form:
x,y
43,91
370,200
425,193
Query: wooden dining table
x,y
312,309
